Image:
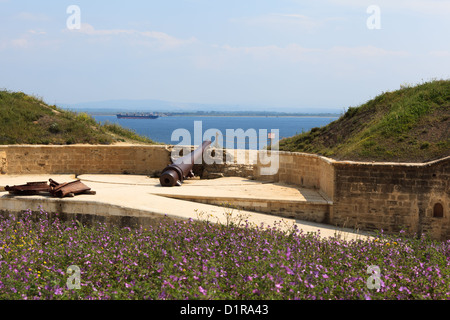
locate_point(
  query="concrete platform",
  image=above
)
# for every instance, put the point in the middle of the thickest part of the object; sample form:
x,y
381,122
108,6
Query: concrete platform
x,y
140,199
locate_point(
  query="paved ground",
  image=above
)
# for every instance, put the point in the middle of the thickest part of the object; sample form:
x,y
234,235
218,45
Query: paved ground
x,y
141,195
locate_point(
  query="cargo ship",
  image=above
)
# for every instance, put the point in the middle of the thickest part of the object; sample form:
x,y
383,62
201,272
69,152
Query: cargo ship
x,y
137,115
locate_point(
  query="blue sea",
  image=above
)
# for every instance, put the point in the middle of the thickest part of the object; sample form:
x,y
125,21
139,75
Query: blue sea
x,y
162,129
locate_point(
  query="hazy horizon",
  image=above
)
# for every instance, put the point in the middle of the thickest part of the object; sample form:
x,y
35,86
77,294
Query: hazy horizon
x,y
169,106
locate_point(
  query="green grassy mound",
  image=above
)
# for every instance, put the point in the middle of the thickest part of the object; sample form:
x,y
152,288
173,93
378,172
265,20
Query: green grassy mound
x,y
408,125
28,120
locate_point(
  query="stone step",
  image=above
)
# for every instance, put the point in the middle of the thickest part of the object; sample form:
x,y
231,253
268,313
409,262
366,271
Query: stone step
x,y
314,211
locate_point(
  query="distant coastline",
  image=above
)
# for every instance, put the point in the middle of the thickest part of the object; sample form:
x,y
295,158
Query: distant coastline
x,y
274,115
223,114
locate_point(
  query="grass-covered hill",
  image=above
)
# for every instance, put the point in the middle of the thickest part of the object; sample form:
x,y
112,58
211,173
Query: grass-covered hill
x,y
25,119
408,125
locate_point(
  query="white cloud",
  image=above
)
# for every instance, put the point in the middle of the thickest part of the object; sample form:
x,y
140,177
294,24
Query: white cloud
x,y
299,21
33,38
25,41
166,39
37,32
86,28
434,7
291,52
29,16
440,53
20,43
294,56
143,37
295,52
366,51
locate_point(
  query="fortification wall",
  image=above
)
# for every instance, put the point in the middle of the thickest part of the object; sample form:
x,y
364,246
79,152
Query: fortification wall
x,y
373,196
302,169
369,196
80,159
393,197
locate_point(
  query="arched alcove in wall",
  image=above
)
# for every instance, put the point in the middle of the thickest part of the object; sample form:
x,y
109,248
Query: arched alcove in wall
x,y
438,210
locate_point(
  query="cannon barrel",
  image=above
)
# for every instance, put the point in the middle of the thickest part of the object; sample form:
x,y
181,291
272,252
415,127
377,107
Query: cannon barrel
x,y
174,174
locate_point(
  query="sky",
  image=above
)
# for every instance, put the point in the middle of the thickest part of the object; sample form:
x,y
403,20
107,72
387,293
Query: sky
x,y
303,56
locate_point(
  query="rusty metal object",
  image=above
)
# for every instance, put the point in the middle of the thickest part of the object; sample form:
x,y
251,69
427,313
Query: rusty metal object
x,y
53,183
68,188
29,188
180,169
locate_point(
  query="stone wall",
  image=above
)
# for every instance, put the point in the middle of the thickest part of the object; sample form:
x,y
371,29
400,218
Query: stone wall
x,y
234,163
393,197
2,162
80,159
302,169
374,196
117,159
369,196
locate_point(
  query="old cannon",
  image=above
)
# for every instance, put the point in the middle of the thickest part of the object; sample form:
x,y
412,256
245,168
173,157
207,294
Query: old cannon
x,y
175,173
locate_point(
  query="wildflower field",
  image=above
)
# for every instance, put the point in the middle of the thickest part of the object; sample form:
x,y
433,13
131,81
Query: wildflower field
x,y
201,260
